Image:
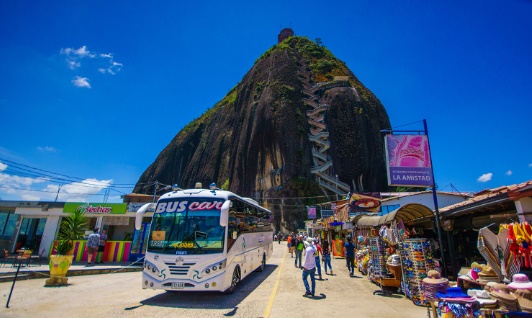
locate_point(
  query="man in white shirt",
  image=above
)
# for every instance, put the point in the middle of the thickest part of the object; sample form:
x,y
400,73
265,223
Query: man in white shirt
x,y
309,267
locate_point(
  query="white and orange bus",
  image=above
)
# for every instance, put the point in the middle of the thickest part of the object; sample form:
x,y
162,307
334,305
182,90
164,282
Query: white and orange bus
x,y
205,240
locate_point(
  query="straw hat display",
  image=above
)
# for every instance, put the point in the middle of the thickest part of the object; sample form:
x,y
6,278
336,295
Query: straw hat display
x,y
524,298
507,301
487,274
433,284
483,297
520,281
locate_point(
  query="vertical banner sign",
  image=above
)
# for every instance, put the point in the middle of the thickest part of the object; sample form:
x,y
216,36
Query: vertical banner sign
x,y
408,160
311,211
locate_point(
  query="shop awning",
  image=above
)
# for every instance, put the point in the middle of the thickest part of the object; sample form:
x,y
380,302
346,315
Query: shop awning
x,y
407,213
369,221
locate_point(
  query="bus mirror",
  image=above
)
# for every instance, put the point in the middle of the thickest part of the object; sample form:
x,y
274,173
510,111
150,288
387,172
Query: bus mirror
x,y
140,214
224,215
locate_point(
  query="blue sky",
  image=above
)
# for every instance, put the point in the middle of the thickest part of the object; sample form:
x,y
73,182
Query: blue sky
x,y
94,90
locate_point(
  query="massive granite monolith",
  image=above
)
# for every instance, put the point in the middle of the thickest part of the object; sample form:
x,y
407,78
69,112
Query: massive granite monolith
x,y
299,125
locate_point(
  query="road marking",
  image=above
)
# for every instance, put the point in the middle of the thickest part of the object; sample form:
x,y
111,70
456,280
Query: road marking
x,y
274,291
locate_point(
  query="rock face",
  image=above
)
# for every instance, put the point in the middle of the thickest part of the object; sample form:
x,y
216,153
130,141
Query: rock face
x,y
298,119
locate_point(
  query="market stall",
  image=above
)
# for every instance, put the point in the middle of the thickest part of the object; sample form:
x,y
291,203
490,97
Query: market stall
x,y
381,238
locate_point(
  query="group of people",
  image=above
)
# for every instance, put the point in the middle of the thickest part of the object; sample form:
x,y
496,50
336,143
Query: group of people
x,y
96,245
313,250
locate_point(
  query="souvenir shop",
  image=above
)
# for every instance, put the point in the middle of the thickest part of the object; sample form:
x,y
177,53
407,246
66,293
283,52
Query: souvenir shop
x,y
395,250
495,286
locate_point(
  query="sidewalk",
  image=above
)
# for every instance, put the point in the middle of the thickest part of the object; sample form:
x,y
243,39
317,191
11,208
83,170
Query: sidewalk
x,y
7,273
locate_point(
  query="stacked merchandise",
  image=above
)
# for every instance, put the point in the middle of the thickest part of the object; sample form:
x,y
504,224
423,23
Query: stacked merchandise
x,y
417,261
454,303
377,254
434,284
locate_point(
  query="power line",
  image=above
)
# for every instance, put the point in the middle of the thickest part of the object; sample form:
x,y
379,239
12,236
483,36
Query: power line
x,y
55,175
33,190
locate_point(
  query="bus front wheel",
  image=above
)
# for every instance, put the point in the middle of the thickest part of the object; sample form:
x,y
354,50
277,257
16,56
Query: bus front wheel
x,y
234,281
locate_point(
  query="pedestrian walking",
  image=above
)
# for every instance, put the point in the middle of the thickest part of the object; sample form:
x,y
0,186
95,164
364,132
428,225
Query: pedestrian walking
x,y
309,268
279,236
326,257
317,256
92,246
101,246
289,244
293,244
349,251
299,247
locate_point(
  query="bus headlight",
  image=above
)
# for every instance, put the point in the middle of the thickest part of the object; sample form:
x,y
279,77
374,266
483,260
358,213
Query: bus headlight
x,y
218,266
151,268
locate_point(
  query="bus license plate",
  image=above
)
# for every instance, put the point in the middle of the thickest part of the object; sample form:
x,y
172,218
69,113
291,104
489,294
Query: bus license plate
x,y
178,285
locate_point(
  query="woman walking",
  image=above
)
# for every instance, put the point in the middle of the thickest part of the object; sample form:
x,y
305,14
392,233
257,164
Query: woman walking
x,y
326,257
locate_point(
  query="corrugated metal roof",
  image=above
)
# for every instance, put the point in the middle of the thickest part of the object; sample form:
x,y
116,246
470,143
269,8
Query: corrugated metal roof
x,y
484,198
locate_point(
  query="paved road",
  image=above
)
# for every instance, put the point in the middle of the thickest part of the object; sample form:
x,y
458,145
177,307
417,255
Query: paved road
x,y
276,292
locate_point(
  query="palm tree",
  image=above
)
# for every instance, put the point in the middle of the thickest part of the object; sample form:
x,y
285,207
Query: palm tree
x,y
72,228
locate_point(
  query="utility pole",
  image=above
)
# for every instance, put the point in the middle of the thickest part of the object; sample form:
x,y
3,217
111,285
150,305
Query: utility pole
x,y
155,185
106,195
58,189
435,197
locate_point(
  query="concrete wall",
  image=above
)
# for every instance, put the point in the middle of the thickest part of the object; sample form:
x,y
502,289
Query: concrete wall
x,y
524,209
425,199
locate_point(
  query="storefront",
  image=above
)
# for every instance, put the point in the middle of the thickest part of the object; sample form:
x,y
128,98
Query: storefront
x,y
34,225
490,208
402,236
124,242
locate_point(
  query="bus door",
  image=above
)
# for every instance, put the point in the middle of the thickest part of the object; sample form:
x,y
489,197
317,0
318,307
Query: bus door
x,y
140,242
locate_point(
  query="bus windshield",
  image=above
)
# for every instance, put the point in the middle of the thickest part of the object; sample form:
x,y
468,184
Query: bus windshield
x,y
187,227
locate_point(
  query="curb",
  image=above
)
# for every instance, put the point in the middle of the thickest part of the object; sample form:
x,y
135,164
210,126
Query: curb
x,y
35,274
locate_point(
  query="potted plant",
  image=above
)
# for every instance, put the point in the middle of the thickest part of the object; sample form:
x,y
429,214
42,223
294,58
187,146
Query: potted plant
x,y
72,228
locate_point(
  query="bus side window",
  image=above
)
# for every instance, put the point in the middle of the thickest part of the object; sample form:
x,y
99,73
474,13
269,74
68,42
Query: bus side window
x,y
231,228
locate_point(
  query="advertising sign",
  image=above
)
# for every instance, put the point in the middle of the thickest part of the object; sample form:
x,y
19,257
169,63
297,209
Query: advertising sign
x,y
408,160
311,211
327,213
135,206
364,202
96,208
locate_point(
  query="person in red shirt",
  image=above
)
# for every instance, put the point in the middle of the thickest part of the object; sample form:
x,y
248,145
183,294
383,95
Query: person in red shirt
x,y
288,241
317,254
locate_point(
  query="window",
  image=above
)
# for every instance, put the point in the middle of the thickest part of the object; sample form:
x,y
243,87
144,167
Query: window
x,y
8,221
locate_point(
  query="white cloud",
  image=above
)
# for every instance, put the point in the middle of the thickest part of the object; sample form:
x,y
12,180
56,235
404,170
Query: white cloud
x,y
509,172
15,181
73,64
79,81
73,57
23,188
530,165
485,177
47,149
81,52
3,166
79,191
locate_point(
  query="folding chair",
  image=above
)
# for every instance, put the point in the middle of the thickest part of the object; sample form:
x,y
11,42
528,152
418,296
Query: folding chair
x,y
23,259
8,258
